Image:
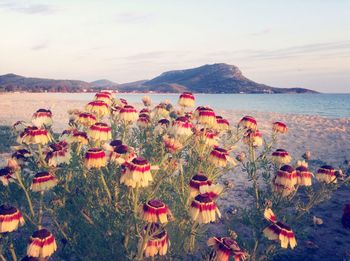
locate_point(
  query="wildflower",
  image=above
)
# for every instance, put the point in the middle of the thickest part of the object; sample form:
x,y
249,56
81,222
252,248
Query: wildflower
x,y
33,135
158,241
41,244
279,127
225,247
122,154
279,231
160,111
203,209
253,138
241,157
103,96
161,127
95,158
21,155
146,101
286,176
10,219
19,126
307,155
220,157
304,176
100,132
326,174
99,108
281,156
136,173
200,184
80,137
248,122
115,110
181,127
121,102
43,181
42,118
143,120
86,119
206,116
186,99
172,144
109,147
222,124
144,111
128,114
208,137
59,154
7,175
154,211
67,135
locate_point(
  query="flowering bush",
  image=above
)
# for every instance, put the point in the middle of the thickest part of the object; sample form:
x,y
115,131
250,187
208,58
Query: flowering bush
x,y
122,184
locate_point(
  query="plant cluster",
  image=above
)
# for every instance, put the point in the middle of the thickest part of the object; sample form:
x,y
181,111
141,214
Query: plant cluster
x,y
120,183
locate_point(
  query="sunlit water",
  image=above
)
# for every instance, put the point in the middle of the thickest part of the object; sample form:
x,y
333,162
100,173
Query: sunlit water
x,y
327,105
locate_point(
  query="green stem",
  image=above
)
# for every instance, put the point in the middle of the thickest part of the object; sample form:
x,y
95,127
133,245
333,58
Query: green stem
x,y
20,182
144,242
13,252
40,214
105,186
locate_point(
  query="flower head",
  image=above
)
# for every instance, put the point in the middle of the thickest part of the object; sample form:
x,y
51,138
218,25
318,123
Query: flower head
x,y
203,209
304,176
144,120
279,127
220,157
222,124
208,137
100,132
326,174
286,176
146,100
103,96
122,154
226,247
206,116
34,135
155,210
186,100
158,242
253,138
181,127
99,108
248,122
128,114
59,154
281,156
171,144
95,158
7,175
200,184
279,231
86,119
10,219
41,244
136,173
42,118
43,181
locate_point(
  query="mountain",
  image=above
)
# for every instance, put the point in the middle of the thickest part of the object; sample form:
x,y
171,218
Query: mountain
x,y
13,82
214,78
103,84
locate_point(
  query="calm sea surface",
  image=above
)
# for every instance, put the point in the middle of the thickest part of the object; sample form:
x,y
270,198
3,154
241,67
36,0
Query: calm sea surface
x,y
327,105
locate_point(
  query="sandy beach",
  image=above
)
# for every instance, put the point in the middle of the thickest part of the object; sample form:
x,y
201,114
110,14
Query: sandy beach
x,y
327,139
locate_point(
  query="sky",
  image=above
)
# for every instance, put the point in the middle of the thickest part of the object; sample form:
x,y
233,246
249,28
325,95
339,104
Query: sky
x,y
299,43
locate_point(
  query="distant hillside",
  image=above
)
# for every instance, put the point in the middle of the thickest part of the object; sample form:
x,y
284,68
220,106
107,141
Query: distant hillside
x,y
103,84
13,82
214,78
